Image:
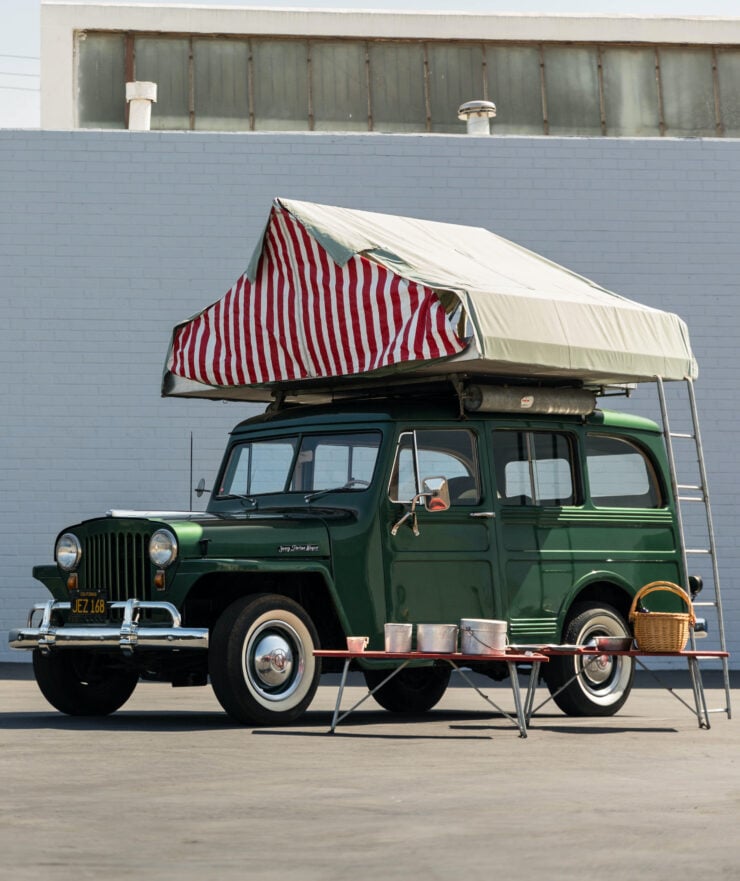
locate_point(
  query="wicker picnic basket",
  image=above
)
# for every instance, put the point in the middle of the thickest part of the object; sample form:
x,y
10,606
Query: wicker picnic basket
x,y
661,631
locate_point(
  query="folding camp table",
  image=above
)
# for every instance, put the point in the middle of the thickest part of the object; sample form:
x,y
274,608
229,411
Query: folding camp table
x,y
591,655
457,661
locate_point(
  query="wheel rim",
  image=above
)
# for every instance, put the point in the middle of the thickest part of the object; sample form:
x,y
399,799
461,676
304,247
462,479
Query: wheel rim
x,y
604,677
274,660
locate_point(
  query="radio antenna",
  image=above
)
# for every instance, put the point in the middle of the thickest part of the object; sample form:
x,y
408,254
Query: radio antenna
x,y
190,504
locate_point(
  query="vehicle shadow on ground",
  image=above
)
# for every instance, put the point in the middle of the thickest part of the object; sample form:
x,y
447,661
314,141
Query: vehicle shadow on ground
x,y
122,721
360,724
312,724
587,728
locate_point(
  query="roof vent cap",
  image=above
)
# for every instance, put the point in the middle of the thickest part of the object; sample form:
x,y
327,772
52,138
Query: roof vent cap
x,y
478,116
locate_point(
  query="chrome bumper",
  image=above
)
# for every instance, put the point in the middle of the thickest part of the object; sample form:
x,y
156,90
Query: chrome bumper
x,y
127,636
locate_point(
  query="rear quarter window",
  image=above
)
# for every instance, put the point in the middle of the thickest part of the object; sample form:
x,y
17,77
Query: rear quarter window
x,y
620,475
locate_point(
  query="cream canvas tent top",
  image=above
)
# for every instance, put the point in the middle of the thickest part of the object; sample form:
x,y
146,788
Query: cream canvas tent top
x,y
334,297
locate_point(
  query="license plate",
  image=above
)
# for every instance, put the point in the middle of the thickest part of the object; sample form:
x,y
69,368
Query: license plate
x,y
87,606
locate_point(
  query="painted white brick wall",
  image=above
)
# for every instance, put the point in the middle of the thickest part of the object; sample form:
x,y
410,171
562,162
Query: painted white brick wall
x,y
108,238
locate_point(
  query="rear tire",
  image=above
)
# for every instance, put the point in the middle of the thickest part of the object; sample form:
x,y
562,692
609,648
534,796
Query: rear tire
x,y
261,660
413,690
83,683
604,684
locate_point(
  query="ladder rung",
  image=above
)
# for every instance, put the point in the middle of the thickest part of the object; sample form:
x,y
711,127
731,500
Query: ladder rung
x,y
683,435
719,710
698,551
690,499
704,604
698,489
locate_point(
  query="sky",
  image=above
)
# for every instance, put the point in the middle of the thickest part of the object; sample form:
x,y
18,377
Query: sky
x,y
19,31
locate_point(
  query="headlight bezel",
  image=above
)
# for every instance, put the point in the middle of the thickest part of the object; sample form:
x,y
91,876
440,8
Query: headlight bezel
x,y
73,546
166,554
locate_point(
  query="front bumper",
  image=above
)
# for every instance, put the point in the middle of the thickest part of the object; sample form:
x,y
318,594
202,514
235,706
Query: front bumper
x,y
127,636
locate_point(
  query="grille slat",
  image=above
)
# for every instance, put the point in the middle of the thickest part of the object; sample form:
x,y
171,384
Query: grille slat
x,y
118,562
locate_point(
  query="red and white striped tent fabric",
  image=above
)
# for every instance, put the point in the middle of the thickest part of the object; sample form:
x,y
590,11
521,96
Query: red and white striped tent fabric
x,y
334,297
303,316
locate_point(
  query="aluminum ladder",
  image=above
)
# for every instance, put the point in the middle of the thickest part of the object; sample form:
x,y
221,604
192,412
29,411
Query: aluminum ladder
x,y
698,492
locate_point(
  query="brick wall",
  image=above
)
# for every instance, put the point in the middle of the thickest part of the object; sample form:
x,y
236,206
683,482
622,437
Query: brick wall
x,y
108,238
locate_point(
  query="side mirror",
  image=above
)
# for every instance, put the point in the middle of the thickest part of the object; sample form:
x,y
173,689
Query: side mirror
x,y
435,496
201,488
437,493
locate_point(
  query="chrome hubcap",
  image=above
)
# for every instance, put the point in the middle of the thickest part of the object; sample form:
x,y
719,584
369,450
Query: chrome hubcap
x,y
274,660
599,669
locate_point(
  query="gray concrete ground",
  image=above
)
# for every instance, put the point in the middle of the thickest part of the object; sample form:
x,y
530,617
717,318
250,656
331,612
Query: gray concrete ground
x,y
170,788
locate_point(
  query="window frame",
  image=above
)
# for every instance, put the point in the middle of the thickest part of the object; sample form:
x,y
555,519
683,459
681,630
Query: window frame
x,y
571,441
473,466
298,439
653,473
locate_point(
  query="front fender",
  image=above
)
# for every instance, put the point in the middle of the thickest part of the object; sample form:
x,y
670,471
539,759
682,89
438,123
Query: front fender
x,y
192,573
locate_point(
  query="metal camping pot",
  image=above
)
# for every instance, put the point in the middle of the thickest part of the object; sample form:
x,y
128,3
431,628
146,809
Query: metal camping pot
x,y
398,637
440,638
482,636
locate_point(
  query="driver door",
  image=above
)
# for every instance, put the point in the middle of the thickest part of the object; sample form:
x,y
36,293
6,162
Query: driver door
x,y
444,573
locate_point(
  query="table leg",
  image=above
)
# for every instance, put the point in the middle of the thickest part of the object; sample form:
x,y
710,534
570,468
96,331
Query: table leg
x,y
514,676
533,685
337,718
519,721
338,704
534,677
702,713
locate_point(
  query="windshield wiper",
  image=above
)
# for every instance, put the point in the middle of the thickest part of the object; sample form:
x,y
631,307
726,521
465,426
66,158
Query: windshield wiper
x,y
243,497
349,485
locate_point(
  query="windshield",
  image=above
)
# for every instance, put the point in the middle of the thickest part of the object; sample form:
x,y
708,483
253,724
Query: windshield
x,y
307,463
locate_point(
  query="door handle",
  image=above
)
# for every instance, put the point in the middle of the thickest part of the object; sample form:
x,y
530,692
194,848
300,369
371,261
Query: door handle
x,y
488,514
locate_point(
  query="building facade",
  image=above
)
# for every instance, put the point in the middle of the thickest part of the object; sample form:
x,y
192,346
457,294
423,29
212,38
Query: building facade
x,y
110,237
246,69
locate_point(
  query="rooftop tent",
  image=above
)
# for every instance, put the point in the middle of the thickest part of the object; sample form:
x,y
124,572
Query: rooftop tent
x,y
333,297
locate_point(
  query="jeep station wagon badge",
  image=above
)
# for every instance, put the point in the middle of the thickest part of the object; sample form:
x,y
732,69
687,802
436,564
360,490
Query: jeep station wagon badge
x,y
298,549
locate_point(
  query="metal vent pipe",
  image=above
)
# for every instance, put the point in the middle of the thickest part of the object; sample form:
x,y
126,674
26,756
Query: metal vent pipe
x,y
140,97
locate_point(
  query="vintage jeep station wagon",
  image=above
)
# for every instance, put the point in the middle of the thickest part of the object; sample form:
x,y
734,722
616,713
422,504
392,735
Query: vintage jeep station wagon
x,y
420,460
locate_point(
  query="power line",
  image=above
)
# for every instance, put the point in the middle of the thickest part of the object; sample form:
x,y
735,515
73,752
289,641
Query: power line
x,y
24,57
20,88
10,73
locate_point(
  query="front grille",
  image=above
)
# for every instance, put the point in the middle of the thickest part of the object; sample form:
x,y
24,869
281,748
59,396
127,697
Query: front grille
x,y
119,563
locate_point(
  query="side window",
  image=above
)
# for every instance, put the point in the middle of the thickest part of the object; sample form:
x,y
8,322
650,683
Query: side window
x,y
449,454
620,474
534,468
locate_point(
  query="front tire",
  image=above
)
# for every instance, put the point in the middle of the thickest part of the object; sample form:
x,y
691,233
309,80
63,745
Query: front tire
x,y
82,683
413,690
604,684
261,661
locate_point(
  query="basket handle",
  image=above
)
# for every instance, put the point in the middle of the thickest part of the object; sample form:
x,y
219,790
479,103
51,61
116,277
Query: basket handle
x,y
662,585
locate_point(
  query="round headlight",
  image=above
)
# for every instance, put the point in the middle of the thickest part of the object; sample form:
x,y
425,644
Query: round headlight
x,y
68,551
162,548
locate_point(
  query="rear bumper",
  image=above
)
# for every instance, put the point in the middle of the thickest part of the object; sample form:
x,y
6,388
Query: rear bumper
x,y
128,636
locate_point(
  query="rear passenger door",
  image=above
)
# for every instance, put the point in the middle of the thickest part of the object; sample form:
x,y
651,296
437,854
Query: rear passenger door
x,y
537,498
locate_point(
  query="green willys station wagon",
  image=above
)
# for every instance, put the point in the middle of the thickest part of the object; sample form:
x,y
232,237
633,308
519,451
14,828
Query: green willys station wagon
x,y
420,460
